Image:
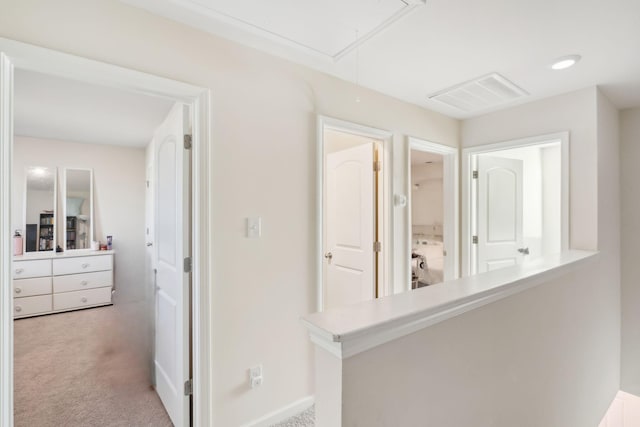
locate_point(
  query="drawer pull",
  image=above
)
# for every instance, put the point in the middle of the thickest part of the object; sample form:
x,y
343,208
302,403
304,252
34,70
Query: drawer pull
x,y
19,270
18,290
85,265
83,299
84,283
18,309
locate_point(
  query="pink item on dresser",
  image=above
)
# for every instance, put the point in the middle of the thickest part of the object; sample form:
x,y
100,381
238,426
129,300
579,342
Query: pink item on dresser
x,y
17,244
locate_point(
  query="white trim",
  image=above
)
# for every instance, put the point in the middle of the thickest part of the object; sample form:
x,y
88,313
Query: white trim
x,y
467,156
6,253
358,328
206,18
451,223
39,59
283,413
386,137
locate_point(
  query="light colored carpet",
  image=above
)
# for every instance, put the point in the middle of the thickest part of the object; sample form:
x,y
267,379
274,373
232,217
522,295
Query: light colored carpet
x,y
303,419
83,368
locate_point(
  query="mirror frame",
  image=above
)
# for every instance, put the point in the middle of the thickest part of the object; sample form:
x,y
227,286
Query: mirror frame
x,y
24,211
64,209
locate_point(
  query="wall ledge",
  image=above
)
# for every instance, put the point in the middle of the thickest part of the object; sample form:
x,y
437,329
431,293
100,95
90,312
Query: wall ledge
x,y
347,331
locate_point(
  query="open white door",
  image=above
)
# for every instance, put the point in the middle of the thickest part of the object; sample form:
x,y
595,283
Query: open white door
x,y
150,267
499,226
6,297
172,242
350,226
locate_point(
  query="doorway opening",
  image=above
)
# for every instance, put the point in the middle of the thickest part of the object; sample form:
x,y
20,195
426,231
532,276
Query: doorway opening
x,y
26,58
432,212
518,202
354,215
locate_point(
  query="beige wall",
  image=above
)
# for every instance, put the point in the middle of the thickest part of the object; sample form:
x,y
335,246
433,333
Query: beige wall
x,y
630,179
549,356
264,130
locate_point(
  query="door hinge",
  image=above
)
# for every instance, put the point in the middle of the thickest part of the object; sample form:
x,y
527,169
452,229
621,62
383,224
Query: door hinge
x,y
475,174
377,166
188,265
377,246
147,183
474,240
187,142
188,387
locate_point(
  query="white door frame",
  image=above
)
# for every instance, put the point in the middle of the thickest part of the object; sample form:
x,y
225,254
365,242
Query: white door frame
x,y
450,195
386,137
468,201
34,58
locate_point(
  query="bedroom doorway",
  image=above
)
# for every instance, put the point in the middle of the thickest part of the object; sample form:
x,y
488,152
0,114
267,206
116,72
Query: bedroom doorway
x,y
18,57
518,201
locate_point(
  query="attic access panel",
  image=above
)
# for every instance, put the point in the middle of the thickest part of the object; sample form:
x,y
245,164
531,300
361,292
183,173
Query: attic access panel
x,y
327,27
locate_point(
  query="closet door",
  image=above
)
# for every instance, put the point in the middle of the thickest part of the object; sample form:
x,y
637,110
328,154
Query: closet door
x,y
172,247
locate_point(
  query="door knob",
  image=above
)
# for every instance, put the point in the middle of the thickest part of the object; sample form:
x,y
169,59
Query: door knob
x,y
328,256
524,251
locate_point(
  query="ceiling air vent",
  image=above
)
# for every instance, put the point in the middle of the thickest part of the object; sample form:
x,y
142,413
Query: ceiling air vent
x,y
480,94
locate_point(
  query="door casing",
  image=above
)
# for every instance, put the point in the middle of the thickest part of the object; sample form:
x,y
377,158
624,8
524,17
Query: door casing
x,y
38,59
468,196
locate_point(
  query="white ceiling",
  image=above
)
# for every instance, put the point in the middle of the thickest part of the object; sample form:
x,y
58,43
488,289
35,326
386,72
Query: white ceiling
x,y
421,157
56,108
440,44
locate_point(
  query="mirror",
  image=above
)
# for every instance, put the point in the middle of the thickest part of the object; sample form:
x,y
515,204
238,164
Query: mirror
x,y
78,208
40,209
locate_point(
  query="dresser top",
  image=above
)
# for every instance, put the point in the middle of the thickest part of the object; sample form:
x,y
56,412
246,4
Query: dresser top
x,y
55,255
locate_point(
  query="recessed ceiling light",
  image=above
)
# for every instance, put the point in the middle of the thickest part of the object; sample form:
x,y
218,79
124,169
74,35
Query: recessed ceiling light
x,y
565,62
39,171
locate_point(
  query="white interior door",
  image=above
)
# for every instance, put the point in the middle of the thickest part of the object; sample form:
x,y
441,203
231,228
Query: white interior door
x,y
149,268
349,226
171,244
6,297
499,226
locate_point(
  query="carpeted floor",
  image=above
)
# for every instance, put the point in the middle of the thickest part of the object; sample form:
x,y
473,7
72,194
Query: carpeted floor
x,y
82,368
303,419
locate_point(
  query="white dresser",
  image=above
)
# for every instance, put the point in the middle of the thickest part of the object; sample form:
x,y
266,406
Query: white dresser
x,y
51,283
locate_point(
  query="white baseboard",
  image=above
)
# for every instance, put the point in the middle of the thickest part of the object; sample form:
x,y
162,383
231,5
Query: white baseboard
x,y
282,413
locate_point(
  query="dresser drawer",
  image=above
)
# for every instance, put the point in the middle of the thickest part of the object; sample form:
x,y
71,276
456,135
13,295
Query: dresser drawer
x,y
77,282
28,306
79,299
31,268
30,287
82,264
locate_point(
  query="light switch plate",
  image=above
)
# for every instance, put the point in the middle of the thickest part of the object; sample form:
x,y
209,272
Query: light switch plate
x,y
254,227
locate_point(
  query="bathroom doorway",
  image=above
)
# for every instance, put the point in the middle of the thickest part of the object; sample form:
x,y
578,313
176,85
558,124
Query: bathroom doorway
x,y
432,212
